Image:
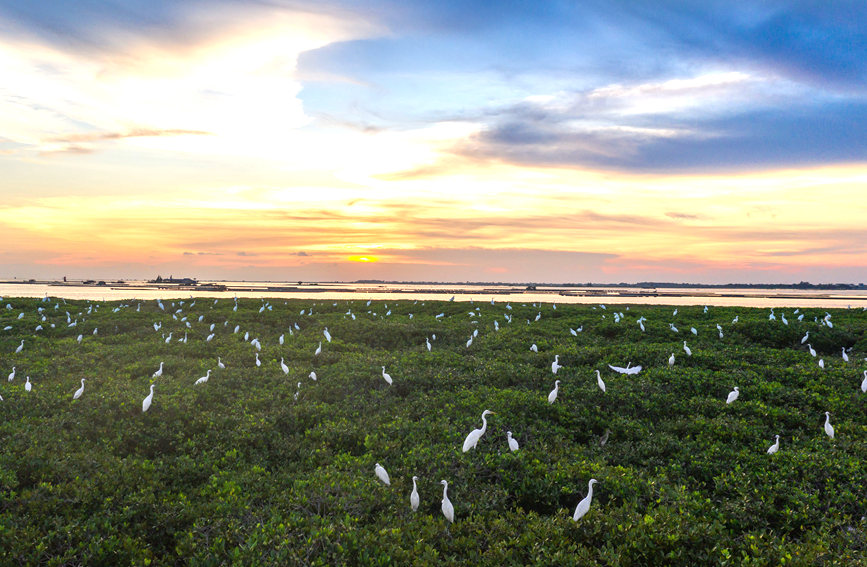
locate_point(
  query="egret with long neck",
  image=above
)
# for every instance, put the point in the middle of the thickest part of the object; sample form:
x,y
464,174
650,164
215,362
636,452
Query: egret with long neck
x,y
473,438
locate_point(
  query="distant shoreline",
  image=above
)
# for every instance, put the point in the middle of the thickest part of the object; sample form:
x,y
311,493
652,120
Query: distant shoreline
x,y
189,284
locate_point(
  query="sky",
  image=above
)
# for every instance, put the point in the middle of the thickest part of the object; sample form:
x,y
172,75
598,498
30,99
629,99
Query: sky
x,y
503,141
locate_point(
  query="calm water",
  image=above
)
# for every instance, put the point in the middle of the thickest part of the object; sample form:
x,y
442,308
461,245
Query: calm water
x,y
462,292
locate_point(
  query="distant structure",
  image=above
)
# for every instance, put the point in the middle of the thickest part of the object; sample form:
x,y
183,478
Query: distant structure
x,y
172,280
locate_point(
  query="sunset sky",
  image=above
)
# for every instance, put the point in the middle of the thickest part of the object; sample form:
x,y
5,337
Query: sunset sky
x,y
594,141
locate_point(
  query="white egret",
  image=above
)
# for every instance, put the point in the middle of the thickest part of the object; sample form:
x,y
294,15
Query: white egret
x,y
599,381
473,437
210,337
204,378
159,371
671,360
674,314
283,367
312,376
775,447
469,342
427,343
686,349
27,386
297,391
553,395
12,374
733,395
805,337
220,363
413,497
79,391
812,350
168,338
534,348
382,474
845,356
629,369
864,383
584,505
822,363
146,403
327,334
318,349
21,346
718,328
693,331
258,362
513,444
281,339
386,376
735,320
829,429
673,328
448,509
555,366
79,338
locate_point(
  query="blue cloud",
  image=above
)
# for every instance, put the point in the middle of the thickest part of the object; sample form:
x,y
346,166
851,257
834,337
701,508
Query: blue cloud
x,y
770,137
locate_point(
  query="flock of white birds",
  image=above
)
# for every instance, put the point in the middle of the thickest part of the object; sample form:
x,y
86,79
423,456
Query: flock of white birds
x,y
472,439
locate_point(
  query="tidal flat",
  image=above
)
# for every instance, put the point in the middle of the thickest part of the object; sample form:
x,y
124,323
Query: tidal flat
x,y
274,463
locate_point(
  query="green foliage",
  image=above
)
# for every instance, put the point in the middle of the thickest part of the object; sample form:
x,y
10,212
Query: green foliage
x,y
251,469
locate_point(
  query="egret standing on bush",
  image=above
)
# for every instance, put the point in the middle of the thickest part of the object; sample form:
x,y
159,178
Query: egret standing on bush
x,y
584,505
413,497
473,438
79,391
146,403
513,444
448,509
386,376
599,381
382,474
553,395
733,395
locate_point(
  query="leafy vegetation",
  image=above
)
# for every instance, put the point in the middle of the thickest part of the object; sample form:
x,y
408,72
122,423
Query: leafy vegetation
x,y
249,468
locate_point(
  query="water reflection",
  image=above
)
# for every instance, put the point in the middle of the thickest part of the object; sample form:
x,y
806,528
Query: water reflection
x,y
462,292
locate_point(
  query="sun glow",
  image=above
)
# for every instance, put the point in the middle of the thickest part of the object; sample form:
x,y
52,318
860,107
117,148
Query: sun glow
x,y
363,259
